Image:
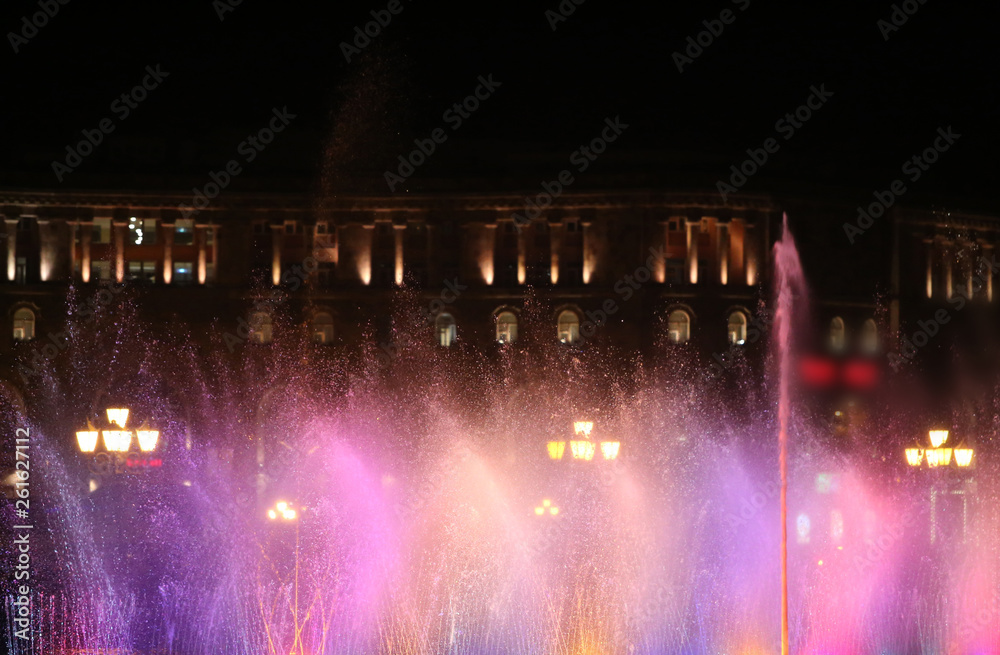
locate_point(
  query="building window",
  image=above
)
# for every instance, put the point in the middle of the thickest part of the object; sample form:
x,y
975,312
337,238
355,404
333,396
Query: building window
x,y
142,271
446,332
260,327
869,337
184,232
101,231
506,327
141,231
737,328
837,339
569,327
183,273
679,326
322,328
24,324
260,227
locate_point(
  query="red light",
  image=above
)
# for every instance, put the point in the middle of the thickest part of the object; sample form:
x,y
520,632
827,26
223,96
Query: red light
x,y
817,372
861,374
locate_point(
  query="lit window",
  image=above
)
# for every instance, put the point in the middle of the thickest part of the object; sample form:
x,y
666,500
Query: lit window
x,y
322,328
506,327
183,272
141,231
184,232
737,328
142,271
446,332
679,326
837,340
24,324
569,327
260,327
869,337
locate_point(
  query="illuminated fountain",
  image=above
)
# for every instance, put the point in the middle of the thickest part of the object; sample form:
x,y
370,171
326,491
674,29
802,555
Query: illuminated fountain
x,y
431,503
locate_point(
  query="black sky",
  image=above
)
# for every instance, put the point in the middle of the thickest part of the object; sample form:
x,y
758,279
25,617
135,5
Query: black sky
x,y
607,59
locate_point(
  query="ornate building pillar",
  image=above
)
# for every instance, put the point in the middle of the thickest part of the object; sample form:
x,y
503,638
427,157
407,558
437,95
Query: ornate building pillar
x,y
693,230
11,225
168,252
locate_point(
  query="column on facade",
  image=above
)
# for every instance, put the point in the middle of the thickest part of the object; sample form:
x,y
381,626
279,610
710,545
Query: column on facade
x,y
737,249
589,253
200,232
929,267
722,238
750,252
73,226
397,235
487,256
86,233
48,248
987,268
277,241
11,225
522,265
555,247
947,254
214,231
118,230
167,232
364,258
693,230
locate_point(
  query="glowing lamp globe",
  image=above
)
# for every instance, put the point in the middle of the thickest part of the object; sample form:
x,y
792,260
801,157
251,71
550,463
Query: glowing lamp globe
x,y
963,456
938,437
556,449
147,439
118,416
117,441
609,449
583,449
914,456
87,440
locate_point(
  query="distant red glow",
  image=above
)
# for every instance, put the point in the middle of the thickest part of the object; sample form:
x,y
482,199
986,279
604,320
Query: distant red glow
x,y
861,374
144,463
817,372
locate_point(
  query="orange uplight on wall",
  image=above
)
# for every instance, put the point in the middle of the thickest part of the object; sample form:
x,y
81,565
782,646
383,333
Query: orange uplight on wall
x,y
556,449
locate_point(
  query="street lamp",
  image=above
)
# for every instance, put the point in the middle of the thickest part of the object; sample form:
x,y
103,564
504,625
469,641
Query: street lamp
x,y
546,508
118,455
937,455
582,448
282,511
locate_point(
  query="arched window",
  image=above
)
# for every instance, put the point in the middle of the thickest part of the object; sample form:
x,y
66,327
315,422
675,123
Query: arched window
x,y
322,328
446,332
837,339
24,324
679,326
506,327
737,328
569,326
260,327
869,337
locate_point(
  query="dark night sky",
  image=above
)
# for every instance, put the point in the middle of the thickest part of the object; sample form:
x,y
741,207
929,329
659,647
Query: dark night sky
x,y
606,59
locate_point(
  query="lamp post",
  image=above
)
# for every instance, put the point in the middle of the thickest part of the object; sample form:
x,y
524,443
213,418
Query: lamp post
x,y
940,456
582,447
124,451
